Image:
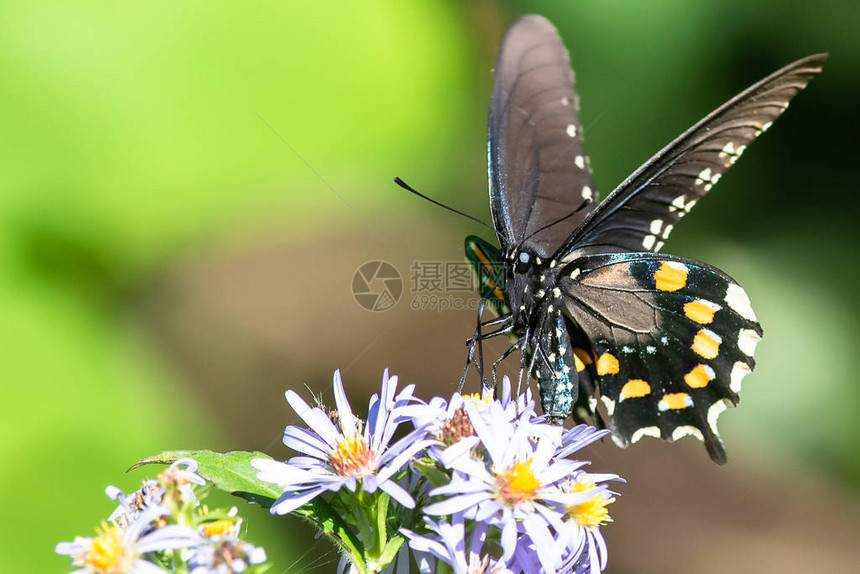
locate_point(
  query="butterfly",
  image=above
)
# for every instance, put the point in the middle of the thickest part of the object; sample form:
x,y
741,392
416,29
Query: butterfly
x,y
598,313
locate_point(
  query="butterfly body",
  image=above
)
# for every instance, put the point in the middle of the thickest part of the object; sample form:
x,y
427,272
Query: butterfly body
x,y
598,313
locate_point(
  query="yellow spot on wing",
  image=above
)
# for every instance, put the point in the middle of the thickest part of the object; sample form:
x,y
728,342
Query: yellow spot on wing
x,y
699,376
633,389
580,366
583,355
706,344
607,364
670,276
675,401
700,311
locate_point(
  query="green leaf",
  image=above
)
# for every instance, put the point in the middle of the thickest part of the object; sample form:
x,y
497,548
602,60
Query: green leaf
x,y
390,550
229,472
322,514
432,472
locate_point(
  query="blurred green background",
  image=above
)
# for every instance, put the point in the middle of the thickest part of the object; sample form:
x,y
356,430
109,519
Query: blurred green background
x,y
188,188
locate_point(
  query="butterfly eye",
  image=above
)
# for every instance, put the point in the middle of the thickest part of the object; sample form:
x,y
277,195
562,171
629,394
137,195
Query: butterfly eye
x,y
524,262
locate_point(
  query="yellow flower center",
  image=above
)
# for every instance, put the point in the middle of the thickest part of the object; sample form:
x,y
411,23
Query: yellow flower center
x,y
476,399
352,457
107,553
517,483
218,528
593,511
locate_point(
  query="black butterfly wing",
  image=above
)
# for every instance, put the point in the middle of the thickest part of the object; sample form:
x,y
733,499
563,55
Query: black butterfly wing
x,y
641,212
537,167
672,338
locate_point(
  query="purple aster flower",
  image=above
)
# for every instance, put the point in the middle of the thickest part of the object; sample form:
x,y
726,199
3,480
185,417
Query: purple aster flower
x,y
132,505
447,543
514,487
222,552
116,549
450,425
341,456
583,521
177,480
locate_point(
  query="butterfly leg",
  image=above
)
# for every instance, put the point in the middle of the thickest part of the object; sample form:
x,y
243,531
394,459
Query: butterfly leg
x,y
504,356
524,344
506,327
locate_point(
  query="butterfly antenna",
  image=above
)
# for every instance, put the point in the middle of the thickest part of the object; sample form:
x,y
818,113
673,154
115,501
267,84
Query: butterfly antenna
x,y
408,188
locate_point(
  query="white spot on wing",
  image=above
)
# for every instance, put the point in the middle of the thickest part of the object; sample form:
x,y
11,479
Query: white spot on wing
x,y
747,340
728,149
714,412
571,130
738,300
739,371
586,192
659,246
575,273
650,349
667,231
656,226
648,242
704,176
610,404
645,431
579,161
687,430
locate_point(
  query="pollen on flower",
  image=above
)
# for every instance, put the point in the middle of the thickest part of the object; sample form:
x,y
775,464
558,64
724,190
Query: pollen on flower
x,y
593,511
517,483
352,457
477,399
220,528
107,552
457,427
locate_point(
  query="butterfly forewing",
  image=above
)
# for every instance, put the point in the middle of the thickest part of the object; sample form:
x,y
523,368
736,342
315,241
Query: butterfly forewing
x,y
641,213
672,338
663,342
540,184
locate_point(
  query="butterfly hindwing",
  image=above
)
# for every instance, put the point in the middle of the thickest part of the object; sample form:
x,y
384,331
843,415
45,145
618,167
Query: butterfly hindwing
x,y
537,166
641,212
671,339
